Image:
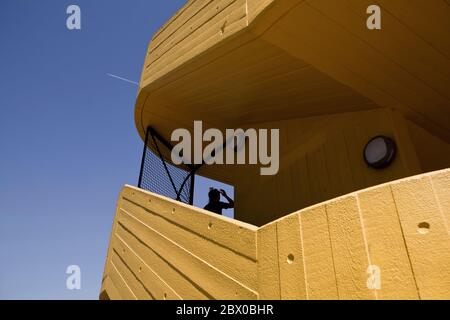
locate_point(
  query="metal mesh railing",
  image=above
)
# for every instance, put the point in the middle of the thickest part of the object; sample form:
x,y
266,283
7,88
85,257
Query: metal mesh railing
x,y
160,176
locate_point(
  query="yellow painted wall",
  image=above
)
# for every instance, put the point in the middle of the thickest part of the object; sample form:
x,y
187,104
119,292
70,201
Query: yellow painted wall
x,y
433,152
161,249
321,158
323,252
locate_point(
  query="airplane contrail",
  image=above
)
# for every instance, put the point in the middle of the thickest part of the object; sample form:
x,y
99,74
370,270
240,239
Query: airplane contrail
x,y
123,79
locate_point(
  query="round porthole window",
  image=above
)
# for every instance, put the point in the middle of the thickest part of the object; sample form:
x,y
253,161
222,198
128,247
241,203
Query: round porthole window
x,y
380,152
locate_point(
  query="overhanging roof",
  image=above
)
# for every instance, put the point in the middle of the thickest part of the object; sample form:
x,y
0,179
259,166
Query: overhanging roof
x,y
235,62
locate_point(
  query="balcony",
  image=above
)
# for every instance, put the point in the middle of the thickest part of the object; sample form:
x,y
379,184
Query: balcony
x,y
163,249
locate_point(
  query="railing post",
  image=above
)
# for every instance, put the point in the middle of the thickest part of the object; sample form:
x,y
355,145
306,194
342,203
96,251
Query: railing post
x,y
144,152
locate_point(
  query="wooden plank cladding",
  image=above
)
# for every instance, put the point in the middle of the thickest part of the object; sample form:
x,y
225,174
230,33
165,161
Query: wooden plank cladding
x,y
333,245
162,249
201,25
390,241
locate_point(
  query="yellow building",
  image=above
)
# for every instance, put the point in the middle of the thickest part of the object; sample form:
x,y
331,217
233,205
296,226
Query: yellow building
x,y
329,225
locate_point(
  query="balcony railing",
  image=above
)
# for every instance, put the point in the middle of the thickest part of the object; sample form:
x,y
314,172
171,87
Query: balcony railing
x,y
386,242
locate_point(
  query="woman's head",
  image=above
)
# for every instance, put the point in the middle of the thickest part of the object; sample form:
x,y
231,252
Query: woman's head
x,y
214,195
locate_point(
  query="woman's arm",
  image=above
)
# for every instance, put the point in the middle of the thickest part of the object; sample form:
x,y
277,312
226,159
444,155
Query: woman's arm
x,y
230,201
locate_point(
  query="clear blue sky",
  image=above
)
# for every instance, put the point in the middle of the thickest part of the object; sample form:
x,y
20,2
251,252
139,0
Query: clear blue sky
x,y
67,138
